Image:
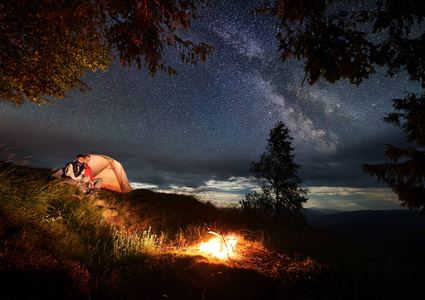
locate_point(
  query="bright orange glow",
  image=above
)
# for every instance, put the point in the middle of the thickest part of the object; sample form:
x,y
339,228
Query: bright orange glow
x,y
221,246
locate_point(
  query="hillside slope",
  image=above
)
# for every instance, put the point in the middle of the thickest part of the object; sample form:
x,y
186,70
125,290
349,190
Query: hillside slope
x,y
56,243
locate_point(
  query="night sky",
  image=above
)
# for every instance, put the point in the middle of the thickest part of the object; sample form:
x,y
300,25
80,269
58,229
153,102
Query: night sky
x,y
203,128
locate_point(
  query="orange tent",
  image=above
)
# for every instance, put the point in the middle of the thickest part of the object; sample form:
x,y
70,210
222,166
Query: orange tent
x,y
112,172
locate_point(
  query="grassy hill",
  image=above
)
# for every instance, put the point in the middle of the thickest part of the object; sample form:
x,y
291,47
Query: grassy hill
x,y
56,243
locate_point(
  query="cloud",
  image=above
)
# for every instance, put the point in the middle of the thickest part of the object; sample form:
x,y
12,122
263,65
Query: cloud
x,y
233,184
229,192
140,185
221,192
349,198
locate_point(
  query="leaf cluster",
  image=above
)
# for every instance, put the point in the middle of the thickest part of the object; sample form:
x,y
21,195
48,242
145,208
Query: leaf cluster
x,y
139,31
46,46
349,39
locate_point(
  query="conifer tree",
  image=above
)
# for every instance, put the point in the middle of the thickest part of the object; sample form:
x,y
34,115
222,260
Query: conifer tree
x,y
281,194
405,173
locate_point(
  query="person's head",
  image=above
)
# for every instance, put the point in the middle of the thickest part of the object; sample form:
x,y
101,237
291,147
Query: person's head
x,y
86,158
80,158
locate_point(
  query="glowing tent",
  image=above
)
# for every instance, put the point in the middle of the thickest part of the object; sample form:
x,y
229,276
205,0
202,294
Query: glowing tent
x,y
112,172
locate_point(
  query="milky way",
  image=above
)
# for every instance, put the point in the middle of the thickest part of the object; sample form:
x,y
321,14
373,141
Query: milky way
x,y
205,126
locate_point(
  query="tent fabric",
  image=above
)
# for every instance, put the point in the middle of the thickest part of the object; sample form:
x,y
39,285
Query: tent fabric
x,y
112,172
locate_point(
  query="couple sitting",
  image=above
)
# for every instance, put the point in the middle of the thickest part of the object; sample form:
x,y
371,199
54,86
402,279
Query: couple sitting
x,y
79,173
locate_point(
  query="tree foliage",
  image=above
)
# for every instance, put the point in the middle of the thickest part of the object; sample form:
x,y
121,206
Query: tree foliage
x,y
406,172
46,46
349,39
281,194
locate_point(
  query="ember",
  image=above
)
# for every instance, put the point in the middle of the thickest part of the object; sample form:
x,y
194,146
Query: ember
x,y
220,246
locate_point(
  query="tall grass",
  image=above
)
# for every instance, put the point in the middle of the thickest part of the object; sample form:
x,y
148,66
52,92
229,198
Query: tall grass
x,y
134,243
40,212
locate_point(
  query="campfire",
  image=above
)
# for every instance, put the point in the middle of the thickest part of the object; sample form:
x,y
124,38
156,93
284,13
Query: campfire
x,y
220,246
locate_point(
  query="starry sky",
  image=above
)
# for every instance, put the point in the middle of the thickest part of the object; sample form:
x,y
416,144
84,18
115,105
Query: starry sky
x,y
199,131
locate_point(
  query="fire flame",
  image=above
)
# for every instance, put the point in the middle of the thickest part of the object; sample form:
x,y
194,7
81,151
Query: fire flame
x,y
221,246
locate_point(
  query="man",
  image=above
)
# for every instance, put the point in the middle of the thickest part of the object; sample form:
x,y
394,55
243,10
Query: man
x,y
94,184
73,173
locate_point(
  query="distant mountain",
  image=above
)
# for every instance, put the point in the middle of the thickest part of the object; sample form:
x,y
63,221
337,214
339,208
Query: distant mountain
x,y
368,219
314,214
323,211
398,232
